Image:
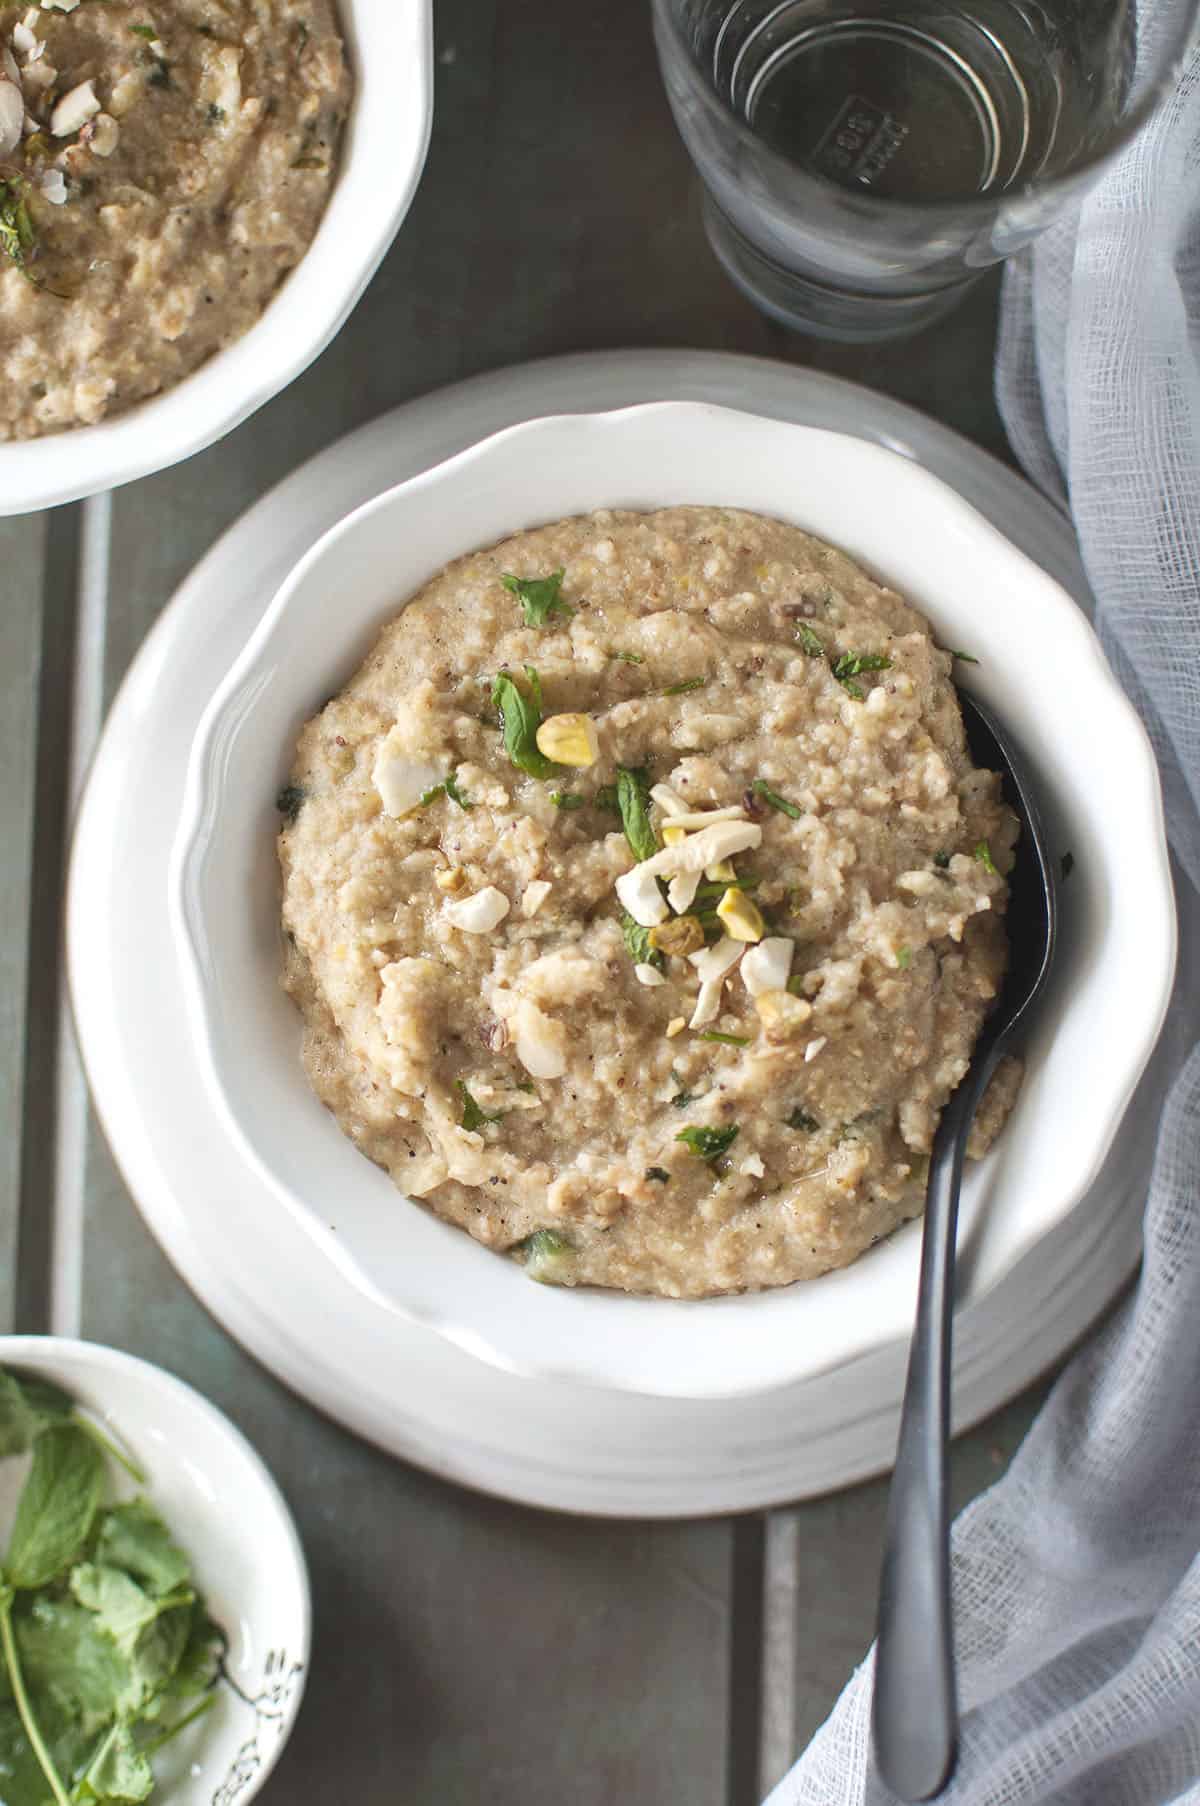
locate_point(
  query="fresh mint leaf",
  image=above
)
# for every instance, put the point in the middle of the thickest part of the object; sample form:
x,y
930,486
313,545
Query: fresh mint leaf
x,y
606,798
133,1536
628,658
522,716
27,1406
289,802
58,1503
811,642
567,799
633,800
964,657
473,1117
447,787
763,789
714,1034
118,1774
688,684
67,1658
638,944
708,1143
983,853
144,31
548,1256
539,596
852,664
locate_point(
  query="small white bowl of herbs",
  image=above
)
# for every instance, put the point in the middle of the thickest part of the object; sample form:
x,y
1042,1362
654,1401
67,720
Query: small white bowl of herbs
x,y
154,1604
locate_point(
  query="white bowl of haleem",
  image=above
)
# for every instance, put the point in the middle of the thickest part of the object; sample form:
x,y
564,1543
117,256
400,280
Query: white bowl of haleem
x,y
192,198
585,879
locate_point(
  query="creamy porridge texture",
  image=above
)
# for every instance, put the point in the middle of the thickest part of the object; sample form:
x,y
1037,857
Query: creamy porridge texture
x,y
643,904
162,167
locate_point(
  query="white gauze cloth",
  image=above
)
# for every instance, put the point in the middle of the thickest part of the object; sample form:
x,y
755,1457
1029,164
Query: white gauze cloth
x,y
1077,1577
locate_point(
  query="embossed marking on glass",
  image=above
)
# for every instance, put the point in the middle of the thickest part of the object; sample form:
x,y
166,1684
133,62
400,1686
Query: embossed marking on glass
x,y
865,159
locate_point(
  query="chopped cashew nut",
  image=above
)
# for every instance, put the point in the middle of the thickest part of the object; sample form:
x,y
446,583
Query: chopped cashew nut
x,y
720,841
675,1027
648,975
681,891
402,782
708,1004
639,894
480,913
536,892
714,962
668,802
753,1167
74,110
814,1048
766,967
694,819
540,1042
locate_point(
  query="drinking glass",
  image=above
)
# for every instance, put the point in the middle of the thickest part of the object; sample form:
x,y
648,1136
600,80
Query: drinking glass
x,y
865,160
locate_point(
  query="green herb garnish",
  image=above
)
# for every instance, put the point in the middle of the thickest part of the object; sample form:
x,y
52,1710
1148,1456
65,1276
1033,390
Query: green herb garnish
x,y
18,240
965,657
606,798
852,664
800,1119
984,855
628,658
633,800
447,787
548,1255
708,1143
143,31
538,596
473,1116
567,799
811,642
100,1625
658,1174
216,115
289,801
682,1099
763,789
941,860
681,689
713,1034
522,716
638,944
795,984
904,958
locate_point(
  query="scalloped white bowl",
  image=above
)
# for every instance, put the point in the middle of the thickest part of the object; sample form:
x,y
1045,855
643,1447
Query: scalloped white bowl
x,y
229,1516
390,43
1040,667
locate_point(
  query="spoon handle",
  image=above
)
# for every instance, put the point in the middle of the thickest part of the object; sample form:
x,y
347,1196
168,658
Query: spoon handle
x,y
915,1709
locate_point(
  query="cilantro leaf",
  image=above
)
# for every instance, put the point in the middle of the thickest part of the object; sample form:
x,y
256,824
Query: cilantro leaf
x,y
473,1116
57,1506
638,944
810,641
67,1657
708,1143
21,1774
538,596
118,1775
763,789
199,1663
984,855
522,716
633,800
851,664
682,689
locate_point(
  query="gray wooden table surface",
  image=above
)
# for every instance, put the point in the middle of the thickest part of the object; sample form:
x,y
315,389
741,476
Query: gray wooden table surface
x,y
465,1650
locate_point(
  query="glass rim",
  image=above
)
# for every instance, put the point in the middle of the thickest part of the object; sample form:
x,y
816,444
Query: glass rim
x,y
1130,126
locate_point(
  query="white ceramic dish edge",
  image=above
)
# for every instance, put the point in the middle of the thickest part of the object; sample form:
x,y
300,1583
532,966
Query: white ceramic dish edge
x,y
258,1591
391,49
550,1350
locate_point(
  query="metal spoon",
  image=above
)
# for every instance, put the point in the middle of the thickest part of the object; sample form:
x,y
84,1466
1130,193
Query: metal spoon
x,y
915,1711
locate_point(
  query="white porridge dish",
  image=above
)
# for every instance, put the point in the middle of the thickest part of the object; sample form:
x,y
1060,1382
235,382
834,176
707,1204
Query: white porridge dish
x,y
1095,1027
643,904
302,241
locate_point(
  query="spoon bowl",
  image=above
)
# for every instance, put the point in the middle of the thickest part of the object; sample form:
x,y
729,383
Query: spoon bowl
x,y
915,1710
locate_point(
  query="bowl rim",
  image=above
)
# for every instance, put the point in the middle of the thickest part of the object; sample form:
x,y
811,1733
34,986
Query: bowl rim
x,y
199,805
301,318
57,1356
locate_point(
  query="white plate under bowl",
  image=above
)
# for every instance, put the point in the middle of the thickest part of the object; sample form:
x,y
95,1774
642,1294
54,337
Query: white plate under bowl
x,y
1094,1031
271,1284
229,1517
390,47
